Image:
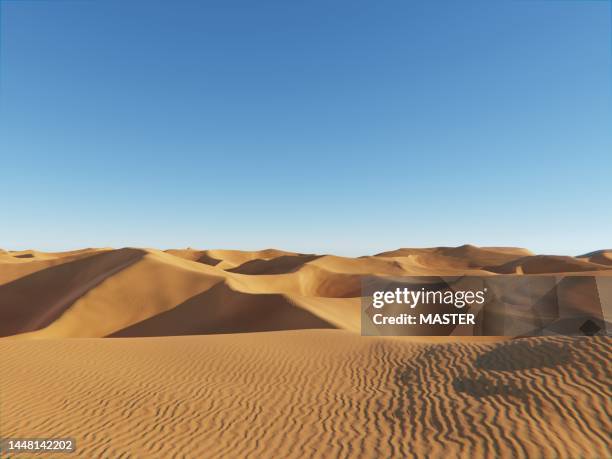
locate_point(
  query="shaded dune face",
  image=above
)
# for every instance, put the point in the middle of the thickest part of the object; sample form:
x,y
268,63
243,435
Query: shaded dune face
x,y
312,393
281,265
147,292
223,310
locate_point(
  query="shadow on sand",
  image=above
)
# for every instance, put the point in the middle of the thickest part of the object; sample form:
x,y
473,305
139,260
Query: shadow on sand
x,y
522,355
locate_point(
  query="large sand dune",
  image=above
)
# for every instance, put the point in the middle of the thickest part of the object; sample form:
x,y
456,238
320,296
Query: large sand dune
x,y
131,387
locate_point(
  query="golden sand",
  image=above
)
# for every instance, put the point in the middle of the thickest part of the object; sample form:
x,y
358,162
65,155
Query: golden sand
x,y
258,384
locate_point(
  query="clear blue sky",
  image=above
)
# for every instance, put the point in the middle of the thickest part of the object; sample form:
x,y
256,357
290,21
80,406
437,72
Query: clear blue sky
x,y
349,127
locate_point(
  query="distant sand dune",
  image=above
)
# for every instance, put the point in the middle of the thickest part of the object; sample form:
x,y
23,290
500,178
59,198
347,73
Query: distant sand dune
x,y
282,264
467,255
227,259
546,264
102,292
602,257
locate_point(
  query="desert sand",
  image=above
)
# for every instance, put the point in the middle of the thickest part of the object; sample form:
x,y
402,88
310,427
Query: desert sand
x,y
272,363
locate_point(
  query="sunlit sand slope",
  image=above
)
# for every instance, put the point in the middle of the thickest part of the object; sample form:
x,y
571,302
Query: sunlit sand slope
x,y
317,393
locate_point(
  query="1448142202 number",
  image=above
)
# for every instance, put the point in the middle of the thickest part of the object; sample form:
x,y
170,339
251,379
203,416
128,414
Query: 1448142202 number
x,y
57,445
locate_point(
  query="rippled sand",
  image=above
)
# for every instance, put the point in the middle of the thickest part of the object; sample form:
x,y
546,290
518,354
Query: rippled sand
x,y
315,393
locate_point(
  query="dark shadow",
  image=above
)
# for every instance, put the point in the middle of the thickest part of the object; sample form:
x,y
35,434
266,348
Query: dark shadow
x,y
574,326
208,260
522,355
200,256
279,265
484,386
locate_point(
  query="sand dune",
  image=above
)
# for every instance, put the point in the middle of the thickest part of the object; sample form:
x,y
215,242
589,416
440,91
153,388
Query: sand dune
x,y
221,309
14,265
227,259
464,256
602,257
546,264
311,394
133,292
41,296
127,286
282,264
259,385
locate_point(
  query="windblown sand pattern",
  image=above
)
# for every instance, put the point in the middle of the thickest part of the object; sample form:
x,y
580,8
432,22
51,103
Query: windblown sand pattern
x,y
311,393
283,391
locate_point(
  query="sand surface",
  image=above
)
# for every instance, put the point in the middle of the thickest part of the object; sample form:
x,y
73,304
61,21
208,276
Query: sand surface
x,y
274,365
311,393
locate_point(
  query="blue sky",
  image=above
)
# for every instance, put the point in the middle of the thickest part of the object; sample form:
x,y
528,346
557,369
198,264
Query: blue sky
x,y
349,127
